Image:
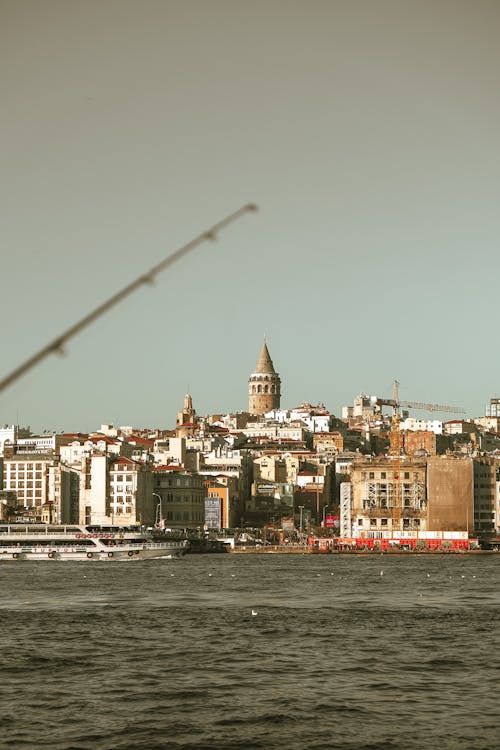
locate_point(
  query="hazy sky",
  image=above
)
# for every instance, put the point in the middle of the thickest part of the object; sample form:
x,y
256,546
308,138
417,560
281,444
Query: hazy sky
x,y
367,132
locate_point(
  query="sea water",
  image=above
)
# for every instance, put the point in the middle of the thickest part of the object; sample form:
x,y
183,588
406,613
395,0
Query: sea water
x,y
251,651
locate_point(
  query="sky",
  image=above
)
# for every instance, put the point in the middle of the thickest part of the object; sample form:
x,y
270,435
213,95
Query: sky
x,y
367,131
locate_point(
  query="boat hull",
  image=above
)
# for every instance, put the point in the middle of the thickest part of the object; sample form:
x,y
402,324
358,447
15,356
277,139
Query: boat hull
x,y
89,555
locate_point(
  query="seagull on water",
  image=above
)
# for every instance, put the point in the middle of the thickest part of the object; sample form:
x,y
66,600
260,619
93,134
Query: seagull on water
x,y
254,613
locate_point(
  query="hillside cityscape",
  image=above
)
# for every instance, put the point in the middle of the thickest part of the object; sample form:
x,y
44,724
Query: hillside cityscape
x,y
373,476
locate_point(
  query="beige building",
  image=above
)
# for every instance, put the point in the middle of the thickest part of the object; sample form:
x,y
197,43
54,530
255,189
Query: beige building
x,y
130,497
270,467
462,493
264,385
388,498
115,490
432,494
27,475
415,441
44,487
450,489
328,442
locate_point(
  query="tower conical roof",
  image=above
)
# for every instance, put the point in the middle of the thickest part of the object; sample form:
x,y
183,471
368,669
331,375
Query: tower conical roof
x,y
265,363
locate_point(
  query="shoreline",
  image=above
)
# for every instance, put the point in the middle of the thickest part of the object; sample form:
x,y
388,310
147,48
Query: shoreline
x,y
278,550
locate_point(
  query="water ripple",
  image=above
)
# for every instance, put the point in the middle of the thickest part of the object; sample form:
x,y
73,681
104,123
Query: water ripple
x,y
162,655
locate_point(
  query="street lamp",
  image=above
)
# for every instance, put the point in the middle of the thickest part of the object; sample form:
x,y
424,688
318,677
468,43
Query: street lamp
x,y
158,514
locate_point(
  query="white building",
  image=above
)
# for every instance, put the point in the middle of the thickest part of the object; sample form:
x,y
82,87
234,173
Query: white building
x,y
26,475
314,418
116,491
275,431
309,478
424,425
44,486
169,450
7,435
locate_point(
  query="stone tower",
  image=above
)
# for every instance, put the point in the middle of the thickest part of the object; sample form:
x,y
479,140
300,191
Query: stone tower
x,y
264,385
188,414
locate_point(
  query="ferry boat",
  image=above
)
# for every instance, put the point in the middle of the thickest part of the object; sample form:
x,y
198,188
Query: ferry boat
x,y
20,541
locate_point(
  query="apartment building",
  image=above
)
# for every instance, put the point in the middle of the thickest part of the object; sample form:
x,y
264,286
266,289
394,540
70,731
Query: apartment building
x,y
182,496
388,497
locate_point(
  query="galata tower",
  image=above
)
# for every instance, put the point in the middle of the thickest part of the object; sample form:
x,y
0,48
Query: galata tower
x,y
264,385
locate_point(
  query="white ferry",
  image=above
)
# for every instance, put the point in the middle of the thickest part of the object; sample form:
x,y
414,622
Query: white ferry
x,y
20,541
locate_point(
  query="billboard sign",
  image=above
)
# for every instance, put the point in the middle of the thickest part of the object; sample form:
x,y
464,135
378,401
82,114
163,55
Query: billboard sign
x,y
213,518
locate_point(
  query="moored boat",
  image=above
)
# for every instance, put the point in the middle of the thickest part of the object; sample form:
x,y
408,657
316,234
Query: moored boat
x,y
81,542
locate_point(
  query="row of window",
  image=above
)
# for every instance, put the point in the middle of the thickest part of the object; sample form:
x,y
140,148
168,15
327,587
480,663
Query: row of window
x,y
21,484
382,503
185,516
180,482
170,497
405,487
375,522
383,475
256,389
23,467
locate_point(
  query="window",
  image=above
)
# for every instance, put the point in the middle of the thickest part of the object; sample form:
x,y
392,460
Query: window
x,y
373,521
407,475
383,521
383,475
371,475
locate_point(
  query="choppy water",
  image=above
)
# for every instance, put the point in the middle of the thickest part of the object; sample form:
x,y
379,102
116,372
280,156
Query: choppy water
x,y
345,652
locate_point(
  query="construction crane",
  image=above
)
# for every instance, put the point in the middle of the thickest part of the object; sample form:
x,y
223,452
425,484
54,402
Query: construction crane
x,y
395,439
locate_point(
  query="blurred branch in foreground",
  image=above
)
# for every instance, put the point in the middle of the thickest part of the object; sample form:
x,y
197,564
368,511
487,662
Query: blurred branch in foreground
x,y
57,345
